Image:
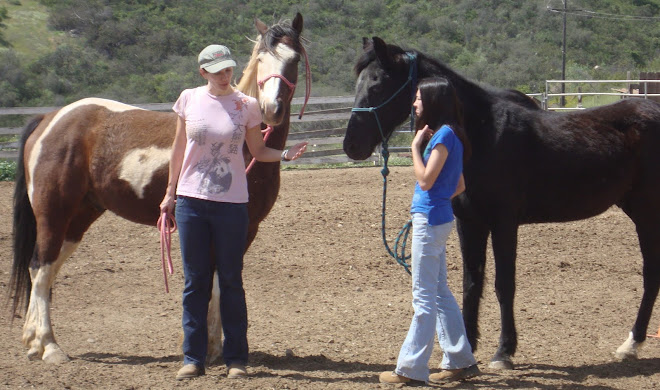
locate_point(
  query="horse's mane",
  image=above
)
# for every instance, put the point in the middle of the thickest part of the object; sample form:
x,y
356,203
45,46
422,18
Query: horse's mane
x,y
278,33
435,66
248,83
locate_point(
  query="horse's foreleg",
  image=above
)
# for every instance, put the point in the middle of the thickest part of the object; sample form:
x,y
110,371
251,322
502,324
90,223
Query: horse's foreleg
x,y
38,333
214,324
505,239
473,238
650,246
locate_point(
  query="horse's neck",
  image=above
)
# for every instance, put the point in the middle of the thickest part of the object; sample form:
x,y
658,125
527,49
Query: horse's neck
x,y
477,103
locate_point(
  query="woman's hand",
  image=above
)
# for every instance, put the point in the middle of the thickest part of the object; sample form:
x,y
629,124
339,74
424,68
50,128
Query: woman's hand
x,y
167,205
421,136
296,151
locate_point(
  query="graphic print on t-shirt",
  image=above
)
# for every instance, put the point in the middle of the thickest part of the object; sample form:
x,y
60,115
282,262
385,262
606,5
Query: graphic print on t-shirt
x,y
216,172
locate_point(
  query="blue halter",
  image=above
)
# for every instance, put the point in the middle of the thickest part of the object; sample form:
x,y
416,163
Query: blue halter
x,y
412,79
398,253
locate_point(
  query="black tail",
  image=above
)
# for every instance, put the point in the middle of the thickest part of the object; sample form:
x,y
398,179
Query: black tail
x,y
25,229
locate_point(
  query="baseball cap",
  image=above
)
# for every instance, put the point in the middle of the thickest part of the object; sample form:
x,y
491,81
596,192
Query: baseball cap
x,y
215,58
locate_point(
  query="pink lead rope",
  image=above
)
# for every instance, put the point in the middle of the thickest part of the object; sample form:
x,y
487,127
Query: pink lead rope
x,y
166,225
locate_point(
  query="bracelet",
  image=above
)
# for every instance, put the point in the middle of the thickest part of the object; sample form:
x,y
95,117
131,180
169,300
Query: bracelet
x,y
284,152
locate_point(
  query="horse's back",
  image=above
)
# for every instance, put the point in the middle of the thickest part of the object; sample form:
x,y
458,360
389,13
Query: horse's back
x,y
556,167
113,153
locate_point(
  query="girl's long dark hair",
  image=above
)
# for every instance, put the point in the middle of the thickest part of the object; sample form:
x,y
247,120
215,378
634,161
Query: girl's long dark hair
x,y
441,106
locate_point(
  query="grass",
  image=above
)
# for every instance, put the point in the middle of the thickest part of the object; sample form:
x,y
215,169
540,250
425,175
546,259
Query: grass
x,y
7,170
27,30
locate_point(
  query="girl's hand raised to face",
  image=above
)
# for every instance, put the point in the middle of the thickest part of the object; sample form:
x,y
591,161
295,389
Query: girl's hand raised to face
x,y
421,136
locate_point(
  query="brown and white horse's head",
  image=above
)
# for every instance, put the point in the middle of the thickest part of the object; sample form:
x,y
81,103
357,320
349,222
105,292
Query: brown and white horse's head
x,y
272,74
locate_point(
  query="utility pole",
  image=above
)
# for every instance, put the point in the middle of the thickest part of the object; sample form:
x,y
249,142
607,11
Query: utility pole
x,y
563,58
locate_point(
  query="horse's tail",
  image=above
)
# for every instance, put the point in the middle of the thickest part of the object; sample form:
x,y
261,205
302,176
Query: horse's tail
x,y
24,230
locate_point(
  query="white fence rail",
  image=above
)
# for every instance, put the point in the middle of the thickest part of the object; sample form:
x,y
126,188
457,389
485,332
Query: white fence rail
x,y
325,142
644,86
332,114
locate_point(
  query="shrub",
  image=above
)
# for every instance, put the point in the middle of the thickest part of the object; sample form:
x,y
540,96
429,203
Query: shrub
x,y
7,170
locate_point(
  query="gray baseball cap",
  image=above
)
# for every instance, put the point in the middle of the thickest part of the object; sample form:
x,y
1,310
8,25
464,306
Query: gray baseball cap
x,y
215,58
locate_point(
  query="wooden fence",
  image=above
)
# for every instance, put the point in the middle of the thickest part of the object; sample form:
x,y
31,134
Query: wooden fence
x,y
325,120
323,125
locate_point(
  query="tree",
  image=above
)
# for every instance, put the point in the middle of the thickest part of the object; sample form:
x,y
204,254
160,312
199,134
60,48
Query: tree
x,y
4,14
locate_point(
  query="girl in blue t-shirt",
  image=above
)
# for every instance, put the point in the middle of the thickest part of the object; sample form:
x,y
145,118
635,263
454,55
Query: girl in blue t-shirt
x,y
438,150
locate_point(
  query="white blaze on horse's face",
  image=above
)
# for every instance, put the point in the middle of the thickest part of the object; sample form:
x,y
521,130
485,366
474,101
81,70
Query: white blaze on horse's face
x,y
270,101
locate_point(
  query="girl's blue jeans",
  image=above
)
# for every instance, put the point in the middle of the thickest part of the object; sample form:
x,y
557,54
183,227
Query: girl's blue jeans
x,y
213,233
435,307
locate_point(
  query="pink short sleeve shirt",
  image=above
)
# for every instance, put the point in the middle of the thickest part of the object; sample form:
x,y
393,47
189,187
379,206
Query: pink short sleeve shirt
x,y
213,165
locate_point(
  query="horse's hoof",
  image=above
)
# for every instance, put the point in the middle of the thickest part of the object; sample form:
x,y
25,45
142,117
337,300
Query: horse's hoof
x,y
628,350
33,354
625,355
55,355
500,365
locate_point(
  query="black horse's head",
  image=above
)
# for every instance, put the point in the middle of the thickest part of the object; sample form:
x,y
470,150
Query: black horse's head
x,y
382,71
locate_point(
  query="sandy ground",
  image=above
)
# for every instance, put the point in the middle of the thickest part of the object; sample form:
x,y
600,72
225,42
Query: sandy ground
x,y
328,308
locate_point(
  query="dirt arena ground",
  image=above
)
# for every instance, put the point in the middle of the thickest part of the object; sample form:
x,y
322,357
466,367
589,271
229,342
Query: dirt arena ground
x,y
328,309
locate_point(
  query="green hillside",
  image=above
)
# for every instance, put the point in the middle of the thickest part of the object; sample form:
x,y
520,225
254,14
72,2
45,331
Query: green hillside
x,y
144,51
27,29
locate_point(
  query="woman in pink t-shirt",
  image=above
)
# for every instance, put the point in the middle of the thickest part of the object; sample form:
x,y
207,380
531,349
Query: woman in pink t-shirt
x,y
207,177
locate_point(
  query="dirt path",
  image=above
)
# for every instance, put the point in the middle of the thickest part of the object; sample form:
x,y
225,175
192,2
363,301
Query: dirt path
x,y
328,308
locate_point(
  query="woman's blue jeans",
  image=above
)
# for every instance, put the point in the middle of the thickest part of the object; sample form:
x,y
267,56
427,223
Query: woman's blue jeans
x,y
213,232
436,310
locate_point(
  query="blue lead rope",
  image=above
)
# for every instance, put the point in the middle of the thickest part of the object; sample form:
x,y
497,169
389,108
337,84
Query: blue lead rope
x,y
399,251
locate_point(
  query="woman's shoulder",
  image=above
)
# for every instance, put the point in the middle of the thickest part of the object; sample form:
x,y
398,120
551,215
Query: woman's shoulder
x,y
191,91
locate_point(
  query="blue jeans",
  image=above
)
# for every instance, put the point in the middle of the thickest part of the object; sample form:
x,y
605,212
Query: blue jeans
x,y
213,232
436,310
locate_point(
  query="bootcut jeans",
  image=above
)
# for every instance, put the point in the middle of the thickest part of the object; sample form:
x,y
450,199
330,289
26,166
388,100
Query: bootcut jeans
x,y
436,309
213,232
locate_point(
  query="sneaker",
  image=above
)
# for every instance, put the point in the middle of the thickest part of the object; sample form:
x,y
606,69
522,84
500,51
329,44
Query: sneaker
x,y
392,377
236,371
445,376
189,371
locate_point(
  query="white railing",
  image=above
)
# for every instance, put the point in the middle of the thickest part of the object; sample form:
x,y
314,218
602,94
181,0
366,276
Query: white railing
x,y
547,94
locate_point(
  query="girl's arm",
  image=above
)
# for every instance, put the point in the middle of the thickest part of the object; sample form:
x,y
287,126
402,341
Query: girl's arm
x,y
427,174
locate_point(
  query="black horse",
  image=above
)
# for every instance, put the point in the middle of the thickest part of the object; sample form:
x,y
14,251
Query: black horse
x,y
527,166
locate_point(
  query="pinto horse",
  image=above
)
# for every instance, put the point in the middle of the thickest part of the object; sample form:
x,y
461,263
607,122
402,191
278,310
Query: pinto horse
x,y
96,155
527,166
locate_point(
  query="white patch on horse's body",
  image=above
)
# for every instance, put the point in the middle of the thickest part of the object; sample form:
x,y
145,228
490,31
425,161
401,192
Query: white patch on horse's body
x,y
139,165
214,324
629,349
270,65
37,331
36,150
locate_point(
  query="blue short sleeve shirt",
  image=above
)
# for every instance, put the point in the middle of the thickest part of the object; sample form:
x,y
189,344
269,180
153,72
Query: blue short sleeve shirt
x,y
436,202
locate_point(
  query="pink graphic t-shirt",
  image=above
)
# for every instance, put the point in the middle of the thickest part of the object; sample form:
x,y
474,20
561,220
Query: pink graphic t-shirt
x,y
213,166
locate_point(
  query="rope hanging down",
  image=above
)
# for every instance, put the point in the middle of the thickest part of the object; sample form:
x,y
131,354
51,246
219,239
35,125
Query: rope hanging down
x,y
399,251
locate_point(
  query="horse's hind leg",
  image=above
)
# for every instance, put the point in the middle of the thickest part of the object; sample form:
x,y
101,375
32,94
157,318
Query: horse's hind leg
x,y
648,232
53,247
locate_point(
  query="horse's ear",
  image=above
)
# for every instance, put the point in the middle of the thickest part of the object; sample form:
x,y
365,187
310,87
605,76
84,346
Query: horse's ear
x,y
366,44
382,53
298,23
261,26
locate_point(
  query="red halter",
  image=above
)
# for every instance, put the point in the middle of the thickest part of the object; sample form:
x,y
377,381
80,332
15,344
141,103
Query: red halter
x,y
308,89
